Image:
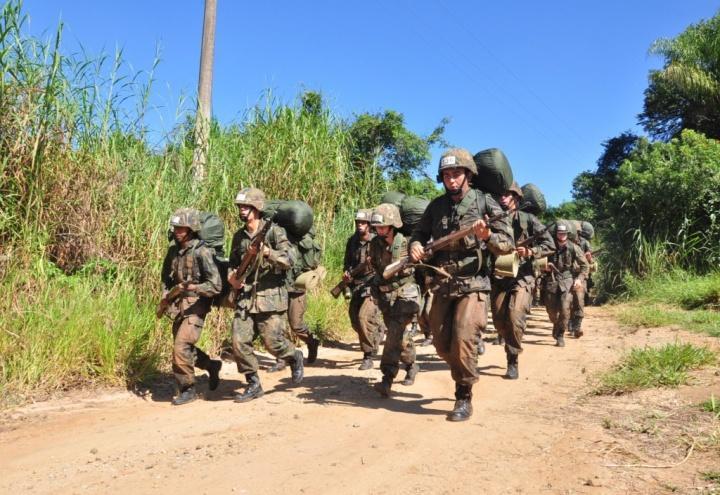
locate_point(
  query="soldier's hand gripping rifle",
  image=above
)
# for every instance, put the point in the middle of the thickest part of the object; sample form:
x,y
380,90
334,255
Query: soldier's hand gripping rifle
x,y
169,298
438,245
535,237
358,270
238,276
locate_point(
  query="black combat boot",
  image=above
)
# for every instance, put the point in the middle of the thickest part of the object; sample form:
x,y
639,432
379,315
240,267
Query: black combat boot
x,y
559,341
578,328
252,391
512,367
367,362
412,371
312,345
278,365
571,327
383,387
463,404
296,367
214,374
187,395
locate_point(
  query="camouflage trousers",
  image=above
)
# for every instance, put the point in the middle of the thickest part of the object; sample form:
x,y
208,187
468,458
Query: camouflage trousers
x,y
558,306
424,315
510,307
578,301
297,305
186,357
399,346
365,319
456,321
270,326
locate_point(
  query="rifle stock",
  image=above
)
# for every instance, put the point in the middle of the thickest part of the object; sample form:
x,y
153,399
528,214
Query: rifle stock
x,y
169,298
340,287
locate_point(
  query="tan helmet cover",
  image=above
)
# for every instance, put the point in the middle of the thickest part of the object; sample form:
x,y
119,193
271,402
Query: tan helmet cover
x,y
251,196
386,214
186,217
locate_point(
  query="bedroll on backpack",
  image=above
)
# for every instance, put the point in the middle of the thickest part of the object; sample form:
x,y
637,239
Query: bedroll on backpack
x,y
534,199
411,211
295,216
494,172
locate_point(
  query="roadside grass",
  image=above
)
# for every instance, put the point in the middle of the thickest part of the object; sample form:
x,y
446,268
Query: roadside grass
x,y
651,367
712,405
675,298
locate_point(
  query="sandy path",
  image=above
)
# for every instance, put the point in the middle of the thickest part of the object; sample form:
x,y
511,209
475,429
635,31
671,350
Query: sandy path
x,y
332,434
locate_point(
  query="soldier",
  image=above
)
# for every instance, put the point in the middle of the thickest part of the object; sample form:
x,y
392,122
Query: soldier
x,y
459,306
511,297
306,253
568,269
190,264
262,300
398,297
363,312
578,306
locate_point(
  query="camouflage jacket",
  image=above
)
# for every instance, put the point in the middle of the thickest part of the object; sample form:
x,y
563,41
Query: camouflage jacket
x,y
265,285
526,225
570,264
467,259
401,287
584,244
193,264
357,252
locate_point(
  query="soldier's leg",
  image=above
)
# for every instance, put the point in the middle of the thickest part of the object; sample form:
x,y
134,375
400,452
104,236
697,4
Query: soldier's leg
x,y
424,319
243,332
297,306
520,300
368,329
578,312
441,324
499,301
186,332
563,316
271,326
396,324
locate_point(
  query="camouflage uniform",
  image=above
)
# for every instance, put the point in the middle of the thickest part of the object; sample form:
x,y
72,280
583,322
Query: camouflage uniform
x,y
511,298
459,306
570,265
578,304
261,307
302,253
192,264
398,299
363,312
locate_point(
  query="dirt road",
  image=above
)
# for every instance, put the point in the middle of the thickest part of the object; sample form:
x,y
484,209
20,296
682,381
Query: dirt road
x,y
540,434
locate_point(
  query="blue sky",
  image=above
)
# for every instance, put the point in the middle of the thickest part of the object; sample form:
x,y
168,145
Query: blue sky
x,y
547,82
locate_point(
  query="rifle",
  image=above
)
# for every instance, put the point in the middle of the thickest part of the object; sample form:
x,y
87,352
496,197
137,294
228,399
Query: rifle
x,y
241,272
438,245
358,270
169,298
534,237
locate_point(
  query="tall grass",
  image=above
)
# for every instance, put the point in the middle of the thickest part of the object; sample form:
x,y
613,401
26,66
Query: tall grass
x,y
84,205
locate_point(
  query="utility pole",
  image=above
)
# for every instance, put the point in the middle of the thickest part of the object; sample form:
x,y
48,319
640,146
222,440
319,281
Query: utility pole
x,y
204,103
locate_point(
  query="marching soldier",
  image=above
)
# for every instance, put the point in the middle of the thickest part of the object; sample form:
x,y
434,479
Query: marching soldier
x,y
511,297
189,264
578,306
262,297
459,307
398,297
568,268
363,312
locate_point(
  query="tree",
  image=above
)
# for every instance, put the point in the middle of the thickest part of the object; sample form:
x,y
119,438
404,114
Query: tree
x,y
685,94
384,140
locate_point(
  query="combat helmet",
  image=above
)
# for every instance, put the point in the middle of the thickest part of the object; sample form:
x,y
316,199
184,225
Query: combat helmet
x,y
186,217
363,215
251,196
456,157
386,214
515,189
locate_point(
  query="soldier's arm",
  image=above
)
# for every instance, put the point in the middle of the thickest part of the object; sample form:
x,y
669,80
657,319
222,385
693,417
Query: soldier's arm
x,y
584,265
545,245
501,236
235,255
212,284
165,274
347,261
279,249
